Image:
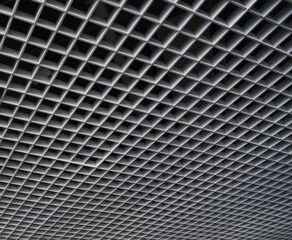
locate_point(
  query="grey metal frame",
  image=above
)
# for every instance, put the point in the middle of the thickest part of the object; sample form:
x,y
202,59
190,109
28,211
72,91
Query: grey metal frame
x,y
127,119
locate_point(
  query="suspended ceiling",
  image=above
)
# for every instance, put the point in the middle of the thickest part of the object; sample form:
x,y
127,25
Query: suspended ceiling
x,y
145,119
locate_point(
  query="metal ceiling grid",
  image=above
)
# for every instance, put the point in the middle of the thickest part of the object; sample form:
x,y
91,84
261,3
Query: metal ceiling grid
x,y
126,119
